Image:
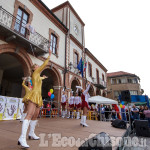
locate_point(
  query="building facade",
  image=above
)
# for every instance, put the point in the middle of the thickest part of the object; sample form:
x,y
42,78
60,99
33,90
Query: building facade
x,y
28,28
120,81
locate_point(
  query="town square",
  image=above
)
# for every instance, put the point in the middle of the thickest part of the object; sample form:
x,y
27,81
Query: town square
x,y
74,75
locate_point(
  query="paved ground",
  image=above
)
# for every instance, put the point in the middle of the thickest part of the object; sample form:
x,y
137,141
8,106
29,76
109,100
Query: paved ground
x,y
69,129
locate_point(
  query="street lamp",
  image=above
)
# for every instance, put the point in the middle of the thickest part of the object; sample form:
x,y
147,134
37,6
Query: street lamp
x,y
67,69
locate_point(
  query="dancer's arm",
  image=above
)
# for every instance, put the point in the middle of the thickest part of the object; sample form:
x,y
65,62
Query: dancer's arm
x,y
87,89
23,84
44,64
44,77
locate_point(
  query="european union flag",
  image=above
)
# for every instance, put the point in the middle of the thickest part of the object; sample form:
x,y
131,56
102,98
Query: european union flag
x,y
80,66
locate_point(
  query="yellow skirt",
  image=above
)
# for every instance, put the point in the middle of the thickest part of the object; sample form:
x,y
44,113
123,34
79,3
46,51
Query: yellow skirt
x,y
35,98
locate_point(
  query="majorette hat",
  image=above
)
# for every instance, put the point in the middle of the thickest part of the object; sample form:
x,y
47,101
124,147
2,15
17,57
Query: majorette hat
x,y
63,90
79,87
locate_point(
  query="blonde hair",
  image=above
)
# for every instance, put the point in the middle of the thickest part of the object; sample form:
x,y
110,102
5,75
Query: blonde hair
x,y
32,68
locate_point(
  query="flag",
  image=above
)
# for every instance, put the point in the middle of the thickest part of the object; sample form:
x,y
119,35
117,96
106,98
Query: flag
x,y
85,66
80,66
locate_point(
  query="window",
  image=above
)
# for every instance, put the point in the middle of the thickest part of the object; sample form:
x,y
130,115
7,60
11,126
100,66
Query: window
x,y
116,94
76,59
129,80
133,92
97,75
53,44
21,21
54,39
90,70
103,77
123,80
135,80
119,81
113,81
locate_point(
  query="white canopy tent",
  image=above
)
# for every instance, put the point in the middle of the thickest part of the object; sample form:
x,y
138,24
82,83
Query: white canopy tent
x,y
101,100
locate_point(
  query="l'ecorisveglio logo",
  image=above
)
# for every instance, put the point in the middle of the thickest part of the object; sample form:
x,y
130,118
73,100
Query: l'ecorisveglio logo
x,y
12,100
1,100
57,140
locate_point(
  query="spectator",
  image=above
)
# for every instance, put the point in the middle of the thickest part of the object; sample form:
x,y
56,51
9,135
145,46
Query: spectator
x,y
98,112
113,113
109,113
147,115
127,114
135,112
141,112
145,108
48,109
106,112
102,113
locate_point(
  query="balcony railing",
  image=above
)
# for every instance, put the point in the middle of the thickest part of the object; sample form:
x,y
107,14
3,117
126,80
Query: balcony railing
x,y
8,28
99,83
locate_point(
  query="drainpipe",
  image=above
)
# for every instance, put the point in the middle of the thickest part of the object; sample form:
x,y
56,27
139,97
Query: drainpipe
x,y
65,61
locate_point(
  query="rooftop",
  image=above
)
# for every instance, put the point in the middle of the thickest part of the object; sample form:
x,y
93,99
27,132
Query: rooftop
x,y
119,74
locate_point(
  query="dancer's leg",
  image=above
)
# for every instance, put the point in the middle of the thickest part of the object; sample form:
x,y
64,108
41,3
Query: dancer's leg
x,y
25,108
78,114
25,124
84,116
33,123
30,110
24,112
63,111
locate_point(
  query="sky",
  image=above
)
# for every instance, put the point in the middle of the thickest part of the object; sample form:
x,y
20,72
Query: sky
x,y
117,32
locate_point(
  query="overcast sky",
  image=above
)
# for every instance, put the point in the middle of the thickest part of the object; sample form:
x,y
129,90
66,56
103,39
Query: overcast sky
x,y
117,32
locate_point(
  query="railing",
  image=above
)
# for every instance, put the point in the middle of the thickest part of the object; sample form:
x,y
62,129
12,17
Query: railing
x,y
99,81
11,22
50,112
102,82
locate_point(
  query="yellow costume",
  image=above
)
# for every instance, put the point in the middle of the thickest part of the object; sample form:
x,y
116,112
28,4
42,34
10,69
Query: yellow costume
x,y
35,95
27,90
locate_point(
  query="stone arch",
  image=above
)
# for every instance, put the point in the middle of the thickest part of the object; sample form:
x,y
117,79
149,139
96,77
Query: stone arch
x,y
21,55
53,81
74,82
91,91
22,60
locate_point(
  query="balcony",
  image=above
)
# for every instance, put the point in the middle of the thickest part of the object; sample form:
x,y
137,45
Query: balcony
x,y
99,83
34,43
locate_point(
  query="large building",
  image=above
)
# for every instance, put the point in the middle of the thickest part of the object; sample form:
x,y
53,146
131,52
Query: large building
x,y
120,81
27,29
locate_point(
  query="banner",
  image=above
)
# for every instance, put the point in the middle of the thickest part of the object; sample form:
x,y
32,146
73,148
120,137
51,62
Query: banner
x,y
10,112
2,106
20,109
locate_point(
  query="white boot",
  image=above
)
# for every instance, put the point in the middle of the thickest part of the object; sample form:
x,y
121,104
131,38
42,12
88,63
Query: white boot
x,y
73,114
68,115
32,128
62,114
22,140
65,113
81,120
84,122
78,115
23,117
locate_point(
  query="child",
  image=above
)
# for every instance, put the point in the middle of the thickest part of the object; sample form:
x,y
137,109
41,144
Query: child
x,y
63,103
71,105
77,104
